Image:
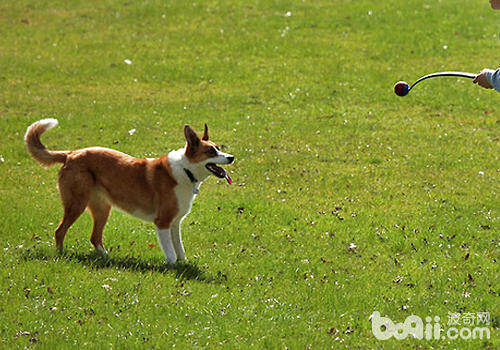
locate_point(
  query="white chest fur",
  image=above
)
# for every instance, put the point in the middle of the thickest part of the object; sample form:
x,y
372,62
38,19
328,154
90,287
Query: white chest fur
x,y
186,190
185,197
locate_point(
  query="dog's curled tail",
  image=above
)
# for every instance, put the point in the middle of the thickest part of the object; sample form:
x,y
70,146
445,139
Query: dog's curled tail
x,y
35,147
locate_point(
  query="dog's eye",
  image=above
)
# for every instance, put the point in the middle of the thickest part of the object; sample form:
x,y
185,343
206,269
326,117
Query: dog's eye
x,y
212,151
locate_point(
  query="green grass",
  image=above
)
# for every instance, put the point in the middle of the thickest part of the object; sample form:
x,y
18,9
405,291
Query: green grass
x,y
326,156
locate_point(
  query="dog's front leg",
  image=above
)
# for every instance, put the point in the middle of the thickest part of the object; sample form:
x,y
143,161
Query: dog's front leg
x,y
177,240
163,222
165,239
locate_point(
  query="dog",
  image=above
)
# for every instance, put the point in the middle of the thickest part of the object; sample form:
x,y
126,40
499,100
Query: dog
x,y
159,190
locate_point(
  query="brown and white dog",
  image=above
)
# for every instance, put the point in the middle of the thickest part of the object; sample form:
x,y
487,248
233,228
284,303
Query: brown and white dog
x,y
161,190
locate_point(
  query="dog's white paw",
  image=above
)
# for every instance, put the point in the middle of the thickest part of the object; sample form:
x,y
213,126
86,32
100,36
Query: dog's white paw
x,y
181,258
171,259
100,250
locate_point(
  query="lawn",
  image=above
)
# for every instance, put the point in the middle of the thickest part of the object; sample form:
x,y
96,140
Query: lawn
x,y
346,199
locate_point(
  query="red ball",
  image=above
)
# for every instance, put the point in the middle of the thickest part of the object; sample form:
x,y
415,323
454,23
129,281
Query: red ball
x,y
401,88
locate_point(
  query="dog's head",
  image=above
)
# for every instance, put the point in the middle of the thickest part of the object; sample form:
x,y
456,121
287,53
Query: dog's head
x,y
204,155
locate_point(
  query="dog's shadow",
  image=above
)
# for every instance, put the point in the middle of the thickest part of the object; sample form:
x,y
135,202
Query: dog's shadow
x,y
186,270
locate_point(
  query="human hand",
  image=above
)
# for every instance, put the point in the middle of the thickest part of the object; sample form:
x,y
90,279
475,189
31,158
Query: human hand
x,y
481,79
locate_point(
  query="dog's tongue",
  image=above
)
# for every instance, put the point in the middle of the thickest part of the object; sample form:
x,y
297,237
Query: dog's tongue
x,y
219,172
224,174
228,178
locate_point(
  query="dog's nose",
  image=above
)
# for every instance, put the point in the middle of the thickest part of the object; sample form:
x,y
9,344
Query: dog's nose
x,y
230,159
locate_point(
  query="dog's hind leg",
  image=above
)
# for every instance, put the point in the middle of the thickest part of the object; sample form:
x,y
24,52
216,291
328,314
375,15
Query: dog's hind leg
x,y
99,209
74,187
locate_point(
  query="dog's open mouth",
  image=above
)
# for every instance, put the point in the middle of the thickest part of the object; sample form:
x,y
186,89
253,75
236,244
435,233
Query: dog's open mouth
x,y
219,172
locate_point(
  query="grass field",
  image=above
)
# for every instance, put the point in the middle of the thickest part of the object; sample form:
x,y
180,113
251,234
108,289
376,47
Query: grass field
x,y
346,198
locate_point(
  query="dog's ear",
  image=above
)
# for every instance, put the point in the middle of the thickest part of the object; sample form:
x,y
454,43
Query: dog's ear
x,y
205,134
191,137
